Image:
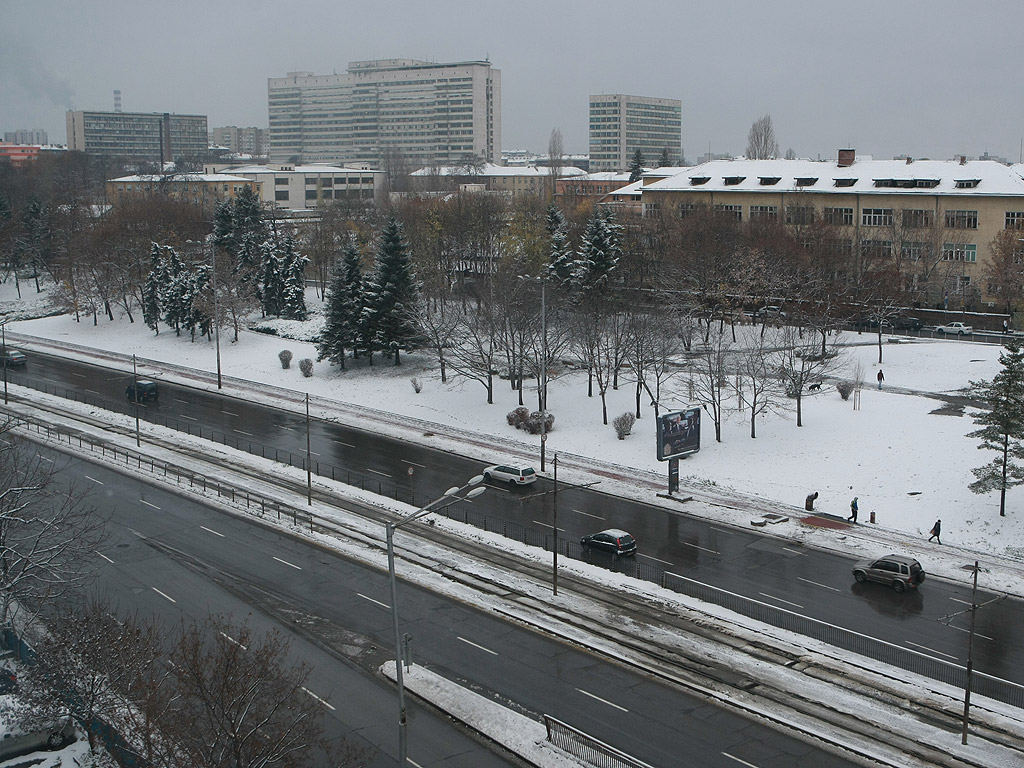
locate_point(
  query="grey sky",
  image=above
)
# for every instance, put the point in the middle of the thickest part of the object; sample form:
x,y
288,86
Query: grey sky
x,y
931,78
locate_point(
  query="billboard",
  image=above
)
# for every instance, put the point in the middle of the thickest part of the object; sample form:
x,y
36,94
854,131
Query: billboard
x,y
678,433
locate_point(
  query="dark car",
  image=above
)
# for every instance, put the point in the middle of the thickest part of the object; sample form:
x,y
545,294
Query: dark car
x,y
613,540
907,323
13,357
142,391
898,571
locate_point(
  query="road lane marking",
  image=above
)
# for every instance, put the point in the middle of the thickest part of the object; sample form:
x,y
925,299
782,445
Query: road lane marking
x,y
581,512
546,525
705,549
424,466
154,506
741,762
247,434
378,602
603,701
779,600
230,639
347,445
94,391
98,482
651,557
296,567
385,474
976,634
42,458
163,594
179,400
190,418
962,602
229,413
795,552
79,375
282,426
317,698
470,642
105,558
817,584
720,530
930,650
210,530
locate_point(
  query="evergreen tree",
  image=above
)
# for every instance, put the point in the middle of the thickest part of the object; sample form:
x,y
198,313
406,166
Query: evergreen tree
x,y
174,288
664,161
151,291
293,289
636,166
344,307
272,277
599,252
561,260
1002,426
391,311
5,207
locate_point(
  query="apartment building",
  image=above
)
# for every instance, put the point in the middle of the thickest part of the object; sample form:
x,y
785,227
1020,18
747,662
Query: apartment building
x,y
35,136
620,125
249,141
205,189
152,137
919,213
302,187
387,112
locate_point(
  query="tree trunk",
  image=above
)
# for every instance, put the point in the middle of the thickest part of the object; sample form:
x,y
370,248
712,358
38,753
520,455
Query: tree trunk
x,y
799,409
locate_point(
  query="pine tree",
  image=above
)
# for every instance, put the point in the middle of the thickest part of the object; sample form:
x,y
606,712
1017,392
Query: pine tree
x,y
271,277
636,166
561,260
389,319
151,291
664,161
173,288
1002,426
599,253
344,307
5,207
293,288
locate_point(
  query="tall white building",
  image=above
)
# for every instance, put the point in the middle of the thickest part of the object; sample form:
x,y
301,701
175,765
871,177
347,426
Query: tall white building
x,y
414,113
620,125
26,136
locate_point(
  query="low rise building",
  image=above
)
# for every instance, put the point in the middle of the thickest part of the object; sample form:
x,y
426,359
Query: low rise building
x,y
301,187
512,181
205,189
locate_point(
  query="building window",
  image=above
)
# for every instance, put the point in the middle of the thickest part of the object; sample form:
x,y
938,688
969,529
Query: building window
x,y
732,181
913,219
1014,220
650,209
735,210
696,181
764,212
960,252
845,182
311,194
961,219
876,217
914,251
799,214
769,181
279,180
281,195
806,181
839,216
875,249
685,209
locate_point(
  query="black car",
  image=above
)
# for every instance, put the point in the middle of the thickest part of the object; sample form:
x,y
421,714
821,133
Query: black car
x,y
13,357
907,323
613,540
142,391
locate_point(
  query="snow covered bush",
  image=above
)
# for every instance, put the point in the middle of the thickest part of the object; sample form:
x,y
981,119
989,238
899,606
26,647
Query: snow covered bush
x,y
306,366
532,424
285,356
518,417
845,389
417,385
623,424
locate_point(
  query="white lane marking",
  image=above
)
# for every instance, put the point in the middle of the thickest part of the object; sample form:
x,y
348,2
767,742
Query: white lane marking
x,y
546,525
247,434
581,512
296,567
229,413
179,400
651,557
817,584
210,530
795,552
154,506
976,634
93,391
705,549
79,375
98,482
385,474
43,458
163,594
317,698
470,642
378,602
720,530
105,558
414,463
958,600
282,426
230,639
190,418
603,701
779,599
741,762
313,453
413,762
347,445
930,650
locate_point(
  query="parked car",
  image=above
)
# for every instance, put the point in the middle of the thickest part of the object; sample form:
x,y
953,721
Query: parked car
x,y
13,356
960,329
142,391
898,571
56,735
8,680
770,314
907,323
613,540
513,474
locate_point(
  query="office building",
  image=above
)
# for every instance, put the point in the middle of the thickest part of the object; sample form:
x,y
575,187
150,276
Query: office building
x,y
392,112
302,187
139,137
240,141
620,125
25,136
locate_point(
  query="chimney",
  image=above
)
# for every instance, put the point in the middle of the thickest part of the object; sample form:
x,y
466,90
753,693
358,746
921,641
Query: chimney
x,y
909,159
846,157
963,159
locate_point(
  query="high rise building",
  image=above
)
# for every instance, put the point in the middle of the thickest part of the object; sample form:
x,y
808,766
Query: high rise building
x,y
240,141
25,136
387,112
620,125
140,137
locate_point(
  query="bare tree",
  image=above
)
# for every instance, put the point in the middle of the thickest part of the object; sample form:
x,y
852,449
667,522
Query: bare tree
x,y
798,362
761,143
473,354
761,390
1005,268
556,154
654,343
710,371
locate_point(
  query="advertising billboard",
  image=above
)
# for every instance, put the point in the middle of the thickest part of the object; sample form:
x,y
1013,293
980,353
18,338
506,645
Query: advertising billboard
x,y
678,433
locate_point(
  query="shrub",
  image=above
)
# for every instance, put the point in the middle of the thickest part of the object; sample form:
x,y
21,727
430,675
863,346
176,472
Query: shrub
x,y
285,356
532,424
306,366
845,389
417,385
517,418
623,424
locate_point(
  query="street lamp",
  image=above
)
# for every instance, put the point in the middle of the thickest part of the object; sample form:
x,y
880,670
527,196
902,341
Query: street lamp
x,y
543,363
451,496
3,346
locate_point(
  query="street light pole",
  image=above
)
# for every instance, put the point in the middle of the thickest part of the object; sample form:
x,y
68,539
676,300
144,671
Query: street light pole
x,y
970,658
543,370
309,460
451,495
3,345
216,311
135,397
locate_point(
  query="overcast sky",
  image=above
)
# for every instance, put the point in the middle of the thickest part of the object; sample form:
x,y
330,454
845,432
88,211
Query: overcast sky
x,y
929,78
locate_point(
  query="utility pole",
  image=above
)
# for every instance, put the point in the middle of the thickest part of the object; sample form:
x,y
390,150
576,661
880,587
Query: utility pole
x,y
554,531
135,397
543,372
216,311
309,460
970,658
3,344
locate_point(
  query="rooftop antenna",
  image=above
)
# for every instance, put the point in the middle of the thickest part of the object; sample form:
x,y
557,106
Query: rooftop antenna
x,y
117,100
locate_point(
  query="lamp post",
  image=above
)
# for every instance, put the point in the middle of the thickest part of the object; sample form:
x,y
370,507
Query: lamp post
x,y
135,398
543,363
3,346
970,657
451,495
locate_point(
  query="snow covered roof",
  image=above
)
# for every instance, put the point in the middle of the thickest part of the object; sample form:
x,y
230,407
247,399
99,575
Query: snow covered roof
x,y
606,176
180,177
927,177
311,168
489,169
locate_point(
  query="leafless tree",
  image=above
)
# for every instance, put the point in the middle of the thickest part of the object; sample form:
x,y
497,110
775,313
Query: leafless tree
x,y
798,362
556,157
761,143
653,346
1005,268
593,331
473,354
761,389
710,371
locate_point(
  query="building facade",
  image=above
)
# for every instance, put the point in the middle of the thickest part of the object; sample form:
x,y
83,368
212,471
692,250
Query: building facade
x,y
302,187
935,221
205,189
18,154
36,136
241,141
620,125
389,111
514,181
139,137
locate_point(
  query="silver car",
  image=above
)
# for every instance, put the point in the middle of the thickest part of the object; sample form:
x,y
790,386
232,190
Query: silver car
x,y
514,474
898,571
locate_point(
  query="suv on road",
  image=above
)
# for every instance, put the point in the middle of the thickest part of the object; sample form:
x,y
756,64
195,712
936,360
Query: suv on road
x,y
142,391
898,571
613,540
12,356
907,323
512,474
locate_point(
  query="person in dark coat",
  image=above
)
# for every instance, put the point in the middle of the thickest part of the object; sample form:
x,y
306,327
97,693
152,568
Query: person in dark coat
x,y
809,501
935,531
880,377
854,509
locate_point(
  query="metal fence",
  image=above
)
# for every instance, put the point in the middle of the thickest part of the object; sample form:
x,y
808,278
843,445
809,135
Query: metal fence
x,y
587,748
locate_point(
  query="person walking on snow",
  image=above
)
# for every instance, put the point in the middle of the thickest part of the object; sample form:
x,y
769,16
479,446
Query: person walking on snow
x,y
935,531
853,510
880,377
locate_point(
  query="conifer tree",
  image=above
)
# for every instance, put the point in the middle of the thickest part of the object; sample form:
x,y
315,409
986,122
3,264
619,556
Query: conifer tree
x,y
390,315
561,261
151,291
271,277
664,161
173,288
636,166
599,253
293,285
1002,426
344,308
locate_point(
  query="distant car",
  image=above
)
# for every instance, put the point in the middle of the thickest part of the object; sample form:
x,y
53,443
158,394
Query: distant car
x,y
960,329
58,734
512,474
898,571
142,391
613,540
13,357
771,313
907,323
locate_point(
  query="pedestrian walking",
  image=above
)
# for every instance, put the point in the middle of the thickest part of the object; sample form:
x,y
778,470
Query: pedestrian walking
x,y
809,501
880,377
854,509
935,531
1006,326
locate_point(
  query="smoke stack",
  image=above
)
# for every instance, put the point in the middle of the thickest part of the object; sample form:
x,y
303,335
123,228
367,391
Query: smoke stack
x,y
909,159
117,101
963,159
846,157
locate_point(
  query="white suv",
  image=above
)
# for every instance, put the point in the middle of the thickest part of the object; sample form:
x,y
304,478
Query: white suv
x,y
512,474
